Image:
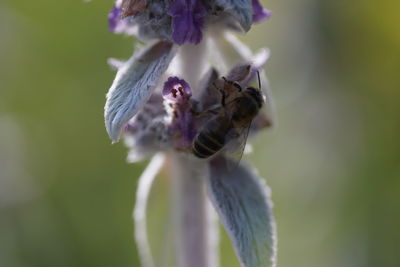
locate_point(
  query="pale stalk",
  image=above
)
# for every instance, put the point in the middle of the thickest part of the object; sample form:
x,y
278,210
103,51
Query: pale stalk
x,y
195,220
193,63
196,240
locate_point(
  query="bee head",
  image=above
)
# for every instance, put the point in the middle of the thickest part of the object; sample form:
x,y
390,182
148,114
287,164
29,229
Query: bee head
x,y
255,94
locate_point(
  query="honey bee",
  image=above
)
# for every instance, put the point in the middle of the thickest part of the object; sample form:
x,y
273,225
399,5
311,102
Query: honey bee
x,y
231,122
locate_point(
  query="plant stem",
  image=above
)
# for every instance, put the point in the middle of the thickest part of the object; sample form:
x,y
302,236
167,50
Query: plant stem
x,y
193,63
195,224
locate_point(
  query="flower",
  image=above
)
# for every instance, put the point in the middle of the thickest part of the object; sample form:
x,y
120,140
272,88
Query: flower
x,y
113,18
187,21
165,95
260,13
177,94
183,21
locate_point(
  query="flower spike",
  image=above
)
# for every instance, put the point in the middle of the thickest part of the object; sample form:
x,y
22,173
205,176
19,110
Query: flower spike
x,y
187,21
193,87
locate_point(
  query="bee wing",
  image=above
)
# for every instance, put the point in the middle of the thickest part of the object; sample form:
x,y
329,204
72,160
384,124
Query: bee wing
x,y
234,149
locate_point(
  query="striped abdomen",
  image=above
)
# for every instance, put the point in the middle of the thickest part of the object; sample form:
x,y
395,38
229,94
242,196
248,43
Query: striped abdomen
x,y
212,138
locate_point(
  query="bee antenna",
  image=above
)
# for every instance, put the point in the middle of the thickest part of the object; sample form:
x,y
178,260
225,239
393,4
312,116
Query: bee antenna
x,y
259,80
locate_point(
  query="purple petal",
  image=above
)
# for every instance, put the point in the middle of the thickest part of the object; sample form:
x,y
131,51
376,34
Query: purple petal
x,y
115,23
187,21
177,90
260,13
114,17
178,93
185,126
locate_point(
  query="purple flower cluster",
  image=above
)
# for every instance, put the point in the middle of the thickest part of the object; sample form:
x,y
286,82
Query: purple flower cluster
x,y
177,94
114,18
182,21
176,90
187,21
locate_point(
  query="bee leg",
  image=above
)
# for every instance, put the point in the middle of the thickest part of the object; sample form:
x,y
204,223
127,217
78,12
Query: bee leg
x,y
223,97
223,94
201,114
194,108
236,84
215,86
213,111
195,112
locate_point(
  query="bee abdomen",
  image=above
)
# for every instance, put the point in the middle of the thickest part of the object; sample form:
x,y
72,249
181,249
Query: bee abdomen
x,y
207,143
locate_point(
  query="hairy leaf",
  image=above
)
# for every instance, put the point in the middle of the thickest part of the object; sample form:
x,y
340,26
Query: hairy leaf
x,y
242,200
133,85
241,10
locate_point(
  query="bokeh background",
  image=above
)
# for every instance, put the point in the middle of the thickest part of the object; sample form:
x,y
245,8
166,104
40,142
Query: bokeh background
x,y
333,163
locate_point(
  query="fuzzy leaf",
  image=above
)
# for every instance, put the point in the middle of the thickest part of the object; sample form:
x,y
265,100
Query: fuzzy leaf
x,y
241,10
145,184
133,85
242,200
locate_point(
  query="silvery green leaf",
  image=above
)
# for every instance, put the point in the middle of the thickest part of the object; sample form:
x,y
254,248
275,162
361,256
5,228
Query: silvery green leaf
x,y
133,85
241,10
145,142
242,200
147,132
145,185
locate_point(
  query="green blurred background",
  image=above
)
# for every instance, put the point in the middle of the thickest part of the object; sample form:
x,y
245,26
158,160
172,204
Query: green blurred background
x,y
333,163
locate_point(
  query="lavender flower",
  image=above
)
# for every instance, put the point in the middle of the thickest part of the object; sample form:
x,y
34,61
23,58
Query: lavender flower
x,y
177,94
187,21
163,96
260,13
